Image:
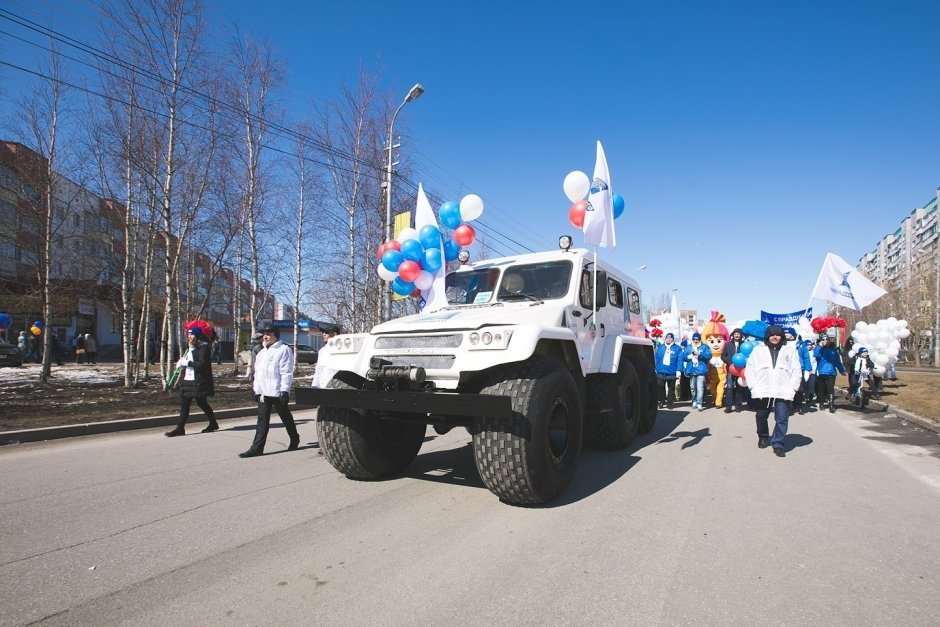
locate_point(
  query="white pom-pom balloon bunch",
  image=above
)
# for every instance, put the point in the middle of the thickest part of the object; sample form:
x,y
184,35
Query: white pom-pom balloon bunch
x,y
882,339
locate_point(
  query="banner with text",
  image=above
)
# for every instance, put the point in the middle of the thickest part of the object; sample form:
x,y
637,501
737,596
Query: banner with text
x,y
786,320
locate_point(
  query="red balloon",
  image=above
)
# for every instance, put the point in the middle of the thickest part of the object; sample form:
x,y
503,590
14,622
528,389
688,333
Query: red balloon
x,y
734,370
464,235
576,213
416,293
409,270
393,244
381,250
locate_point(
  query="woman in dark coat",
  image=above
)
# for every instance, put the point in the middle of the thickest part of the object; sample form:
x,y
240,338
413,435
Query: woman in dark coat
x,y
196,376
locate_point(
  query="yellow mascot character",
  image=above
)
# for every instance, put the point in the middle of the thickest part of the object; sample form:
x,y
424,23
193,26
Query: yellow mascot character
x,y
715,334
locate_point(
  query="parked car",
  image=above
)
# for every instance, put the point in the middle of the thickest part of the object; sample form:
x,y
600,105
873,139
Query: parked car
x,y
306,354
10,355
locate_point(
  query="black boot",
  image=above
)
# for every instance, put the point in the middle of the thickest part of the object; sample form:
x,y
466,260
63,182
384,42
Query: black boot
x,y
252,452
175,432
294,442
213,426
832,404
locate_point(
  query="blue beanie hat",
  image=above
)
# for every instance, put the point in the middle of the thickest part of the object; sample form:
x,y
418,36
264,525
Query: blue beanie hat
x,y
790,330
696,336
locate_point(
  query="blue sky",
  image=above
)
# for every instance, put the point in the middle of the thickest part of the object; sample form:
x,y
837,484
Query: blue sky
x,y
748,138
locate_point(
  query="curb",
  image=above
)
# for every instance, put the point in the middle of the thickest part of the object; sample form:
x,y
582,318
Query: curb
x,y
113,426
920,421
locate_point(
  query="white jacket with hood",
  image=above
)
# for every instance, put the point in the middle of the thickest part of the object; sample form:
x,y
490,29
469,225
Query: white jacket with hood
x,y
778,378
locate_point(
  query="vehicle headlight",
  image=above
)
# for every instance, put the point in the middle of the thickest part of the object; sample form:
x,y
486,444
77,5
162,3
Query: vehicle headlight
x,y
490,339
345,344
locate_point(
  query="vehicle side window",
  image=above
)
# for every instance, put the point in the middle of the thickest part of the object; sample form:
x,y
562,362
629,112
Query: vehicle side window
x,y
614,293
634,300
584,290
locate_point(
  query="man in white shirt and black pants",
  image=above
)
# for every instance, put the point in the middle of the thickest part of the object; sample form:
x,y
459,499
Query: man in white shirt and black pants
x,y
274,374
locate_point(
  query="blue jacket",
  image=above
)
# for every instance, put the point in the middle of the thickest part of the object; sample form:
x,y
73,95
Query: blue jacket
x,y
828,361
675,359
704,354
805,363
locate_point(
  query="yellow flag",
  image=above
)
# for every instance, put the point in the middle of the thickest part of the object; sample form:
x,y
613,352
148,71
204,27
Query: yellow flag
x,y
402,222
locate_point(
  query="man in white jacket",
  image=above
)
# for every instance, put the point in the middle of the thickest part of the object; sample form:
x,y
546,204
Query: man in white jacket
x,y
274,374
773,374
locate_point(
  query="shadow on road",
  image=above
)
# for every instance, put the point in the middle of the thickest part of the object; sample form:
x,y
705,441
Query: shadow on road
x,y
796,440
275,424
454,466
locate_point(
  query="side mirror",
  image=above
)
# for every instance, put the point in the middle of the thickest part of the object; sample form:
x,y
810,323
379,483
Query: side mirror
x,y
601,297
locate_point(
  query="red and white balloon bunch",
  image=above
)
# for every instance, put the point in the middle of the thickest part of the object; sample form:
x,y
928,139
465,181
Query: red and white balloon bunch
x,y
410,261
577,188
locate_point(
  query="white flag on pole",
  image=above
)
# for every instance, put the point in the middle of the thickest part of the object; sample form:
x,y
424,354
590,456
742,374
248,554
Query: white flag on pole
x,y
436,297
599,217
844,285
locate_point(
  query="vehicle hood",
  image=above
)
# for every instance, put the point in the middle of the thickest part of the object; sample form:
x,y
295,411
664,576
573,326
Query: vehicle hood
x,y
470,317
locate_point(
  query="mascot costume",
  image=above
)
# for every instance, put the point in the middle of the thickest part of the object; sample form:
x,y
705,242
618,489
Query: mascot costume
x,y
715,334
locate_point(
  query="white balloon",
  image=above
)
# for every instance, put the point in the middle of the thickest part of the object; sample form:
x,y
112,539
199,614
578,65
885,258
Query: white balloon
x,y
882,347
880,358
903,323
424,280
851,353
861,325
892,359
892,320
407,234
386,274
904,333
471,207
878,370
577,185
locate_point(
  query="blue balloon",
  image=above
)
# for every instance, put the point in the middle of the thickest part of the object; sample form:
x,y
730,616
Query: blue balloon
x,y
429,236
451,248
619,205
450,214
746,348
392,259
739,359
402,287
412,250
432,260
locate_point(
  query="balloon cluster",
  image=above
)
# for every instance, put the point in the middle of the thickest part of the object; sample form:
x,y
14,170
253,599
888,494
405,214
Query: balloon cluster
x,y
882,339
821,325
577,186
739,360
410,261
36,329
5,321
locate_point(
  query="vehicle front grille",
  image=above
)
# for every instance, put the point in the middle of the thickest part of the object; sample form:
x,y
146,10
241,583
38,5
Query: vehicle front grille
x,y
420,341
428,362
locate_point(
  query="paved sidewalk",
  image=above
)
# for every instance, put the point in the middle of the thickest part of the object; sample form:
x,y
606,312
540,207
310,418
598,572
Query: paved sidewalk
x,y
113,426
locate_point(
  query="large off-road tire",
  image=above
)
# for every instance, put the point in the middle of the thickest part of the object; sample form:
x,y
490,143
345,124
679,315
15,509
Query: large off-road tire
x,y
365,447
649,397
530,458
616,400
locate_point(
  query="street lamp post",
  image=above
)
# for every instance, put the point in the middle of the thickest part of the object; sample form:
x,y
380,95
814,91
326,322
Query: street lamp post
x,y
413,94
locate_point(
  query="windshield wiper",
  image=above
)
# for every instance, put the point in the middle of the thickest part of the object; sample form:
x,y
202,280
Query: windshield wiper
x,y
534,299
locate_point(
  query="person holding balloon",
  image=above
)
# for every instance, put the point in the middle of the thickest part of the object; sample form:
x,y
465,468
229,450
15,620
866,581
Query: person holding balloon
x,y
732,348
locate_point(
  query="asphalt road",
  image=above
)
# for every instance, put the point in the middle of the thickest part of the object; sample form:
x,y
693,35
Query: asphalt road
x,y
693,524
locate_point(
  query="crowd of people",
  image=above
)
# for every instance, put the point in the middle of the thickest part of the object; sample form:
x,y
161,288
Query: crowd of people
x,y
784,374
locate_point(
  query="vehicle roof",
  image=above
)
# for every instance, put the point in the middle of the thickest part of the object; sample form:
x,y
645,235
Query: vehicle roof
x,y
582,255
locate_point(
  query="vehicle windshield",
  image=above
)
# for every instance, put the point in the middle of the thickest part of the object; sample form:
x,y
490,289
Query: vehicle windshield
x,y
536,281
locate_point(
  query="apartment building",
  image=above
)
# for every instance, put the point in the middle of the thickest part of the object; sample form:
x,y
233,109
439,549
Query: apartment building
x,y
88,261
910,250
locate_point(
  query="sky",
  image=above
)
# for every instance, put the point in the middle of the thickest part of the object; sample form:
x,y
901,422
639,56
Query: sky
x,y
748,138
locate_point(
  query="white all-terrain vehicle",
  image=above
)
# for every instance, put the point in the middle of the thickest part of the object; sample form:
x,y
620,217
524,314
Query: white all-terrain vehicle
x,y
526,356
